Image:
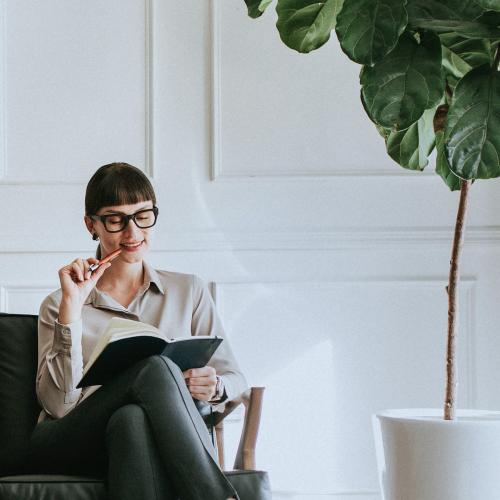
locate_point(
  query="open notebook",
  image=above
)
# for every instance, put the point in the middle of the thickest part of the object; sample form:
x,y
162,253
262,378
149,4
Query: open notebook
x,y
124,342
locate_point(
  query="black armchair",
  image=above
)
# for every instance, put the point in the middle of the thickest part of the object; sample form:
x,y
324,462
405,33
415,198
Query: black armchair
x,y
19,410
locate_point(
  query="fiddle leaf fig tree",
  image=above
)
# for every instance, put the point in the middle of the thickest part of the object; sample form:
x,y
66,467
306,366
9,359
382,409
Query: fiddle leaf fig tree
x,y
429,79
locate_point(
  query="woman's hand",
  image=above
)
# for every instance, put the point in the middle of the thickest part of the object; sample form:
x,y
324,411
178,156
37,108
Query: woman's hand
x,y
76,284
201,382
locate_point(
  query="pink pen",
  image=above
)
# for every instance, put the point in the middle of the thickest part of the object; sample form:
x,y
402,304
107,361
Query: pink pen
x,y
108,258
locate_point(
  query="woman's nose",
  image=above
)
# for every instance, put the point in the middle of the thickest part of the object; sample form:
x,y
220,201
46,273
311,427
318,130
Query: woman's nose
x,y
131,229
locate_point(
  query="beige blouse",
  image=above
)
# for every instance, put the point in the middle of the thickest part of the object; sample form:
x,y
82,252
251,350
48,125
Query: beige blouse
x,y
178,304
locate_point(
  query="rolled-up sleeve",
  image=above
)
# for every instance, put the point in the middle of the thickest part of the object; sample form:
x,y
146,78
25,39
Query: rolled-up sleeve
x,y
206,321
60,361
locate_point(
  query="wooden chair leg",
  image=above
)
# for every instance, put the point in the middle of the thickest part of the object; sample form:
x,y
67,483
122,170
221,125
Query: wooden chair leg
x,y
245,457
219,437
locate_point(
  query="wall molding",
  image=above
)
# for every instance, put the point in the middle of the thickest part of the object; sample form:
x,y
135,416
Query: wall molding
x,y
7,291
310,495
3,90
149,87
468,341
469,292
317,173
467,285
215,91
220,172
148,169
353,238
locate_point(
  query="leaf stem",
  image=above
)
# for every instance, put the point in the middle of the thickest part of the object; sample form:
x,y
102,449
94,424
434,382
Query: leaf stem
x,y
497,58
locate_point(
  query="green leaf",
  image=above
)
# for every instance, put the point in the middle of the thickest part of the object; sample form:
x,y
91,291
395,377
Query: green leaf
x,y
464,17
489,4
490,18
442,166
384,132
411,147
257,7
305,25
397,90
473,52
469,29
454,66
472,138
369,29
460,55
458,10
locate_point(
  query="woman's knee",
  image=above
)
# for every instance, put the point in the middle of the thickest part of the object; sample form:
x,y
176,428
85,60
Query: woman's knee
x,y
163,362
156,378
159,369
126,419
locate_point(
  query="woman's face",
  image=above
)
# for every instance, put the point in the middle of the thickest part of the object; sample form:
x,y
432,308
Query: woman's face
x,y
133,240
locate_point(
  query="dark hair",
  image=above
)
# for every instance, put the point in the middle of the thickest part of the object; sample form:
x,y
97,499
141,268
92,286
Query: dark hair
x,y
117,184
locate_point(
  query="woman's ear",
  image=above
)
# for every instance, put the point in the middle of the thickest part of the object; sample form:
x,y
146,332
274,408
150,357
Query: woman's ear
x,y
90,225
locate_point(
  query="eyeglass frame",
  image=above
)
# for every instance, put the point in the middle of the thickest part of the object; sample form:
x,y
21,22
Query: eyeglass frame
x,y
125,219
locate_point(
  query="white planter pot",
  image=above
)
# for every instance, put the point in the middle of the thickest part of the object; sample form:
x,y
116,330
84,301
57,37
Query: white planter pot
x,y
420,456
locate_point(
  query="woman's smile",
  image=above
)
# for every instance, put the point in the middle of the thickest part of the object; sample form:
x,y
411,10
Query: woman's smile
x,y
132,247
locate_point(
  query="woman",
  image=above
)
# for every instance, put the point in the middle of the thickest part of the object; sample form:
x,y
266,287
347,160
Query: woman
x,y
143,428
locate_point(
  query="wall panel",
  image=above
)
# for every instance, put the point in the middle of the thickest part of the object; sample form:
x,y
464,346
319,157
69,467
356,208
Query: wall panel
x,y
331,355
76,88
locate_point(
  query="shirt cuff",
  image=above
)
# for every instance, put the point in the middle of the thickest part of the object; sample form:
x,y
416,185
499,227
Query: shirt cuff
x,y
222,396
66,336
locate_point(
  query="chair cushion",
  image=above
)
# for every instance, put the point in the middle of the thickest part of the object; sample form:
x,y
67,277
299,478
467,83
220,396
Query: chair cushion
x,y
52,487
18,402
250,485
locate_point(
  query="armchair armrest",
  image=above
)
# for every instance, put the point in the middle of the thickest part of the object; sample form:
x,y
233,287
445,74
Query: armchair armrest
x,y
245,456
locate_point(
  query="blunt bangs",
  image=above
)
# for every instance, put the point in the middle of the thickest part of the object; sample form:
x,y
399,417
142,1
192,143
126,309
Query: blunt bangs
x,y
117,184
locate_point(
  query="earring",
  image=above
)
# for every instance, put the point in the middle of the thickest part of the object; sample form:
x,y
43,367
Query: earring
x,y
95,237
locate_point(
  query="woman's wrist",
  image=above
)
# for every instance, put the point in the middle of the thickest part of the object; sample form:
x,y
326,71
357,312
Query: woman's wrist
x,y
70,310
219,391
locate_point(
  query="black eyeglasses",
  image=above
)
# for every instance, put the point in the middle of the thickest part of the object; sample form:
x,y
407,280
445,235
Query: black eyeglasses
x,y
114,223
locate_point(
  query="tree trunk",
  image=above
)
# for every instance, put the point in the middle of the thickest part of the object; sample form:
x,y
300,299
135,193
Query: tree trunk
x,y
451,376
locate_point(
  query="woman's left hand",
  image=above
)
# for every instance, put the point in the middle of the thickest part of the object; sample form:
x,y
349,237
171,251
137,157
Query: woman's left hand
x,y
201,382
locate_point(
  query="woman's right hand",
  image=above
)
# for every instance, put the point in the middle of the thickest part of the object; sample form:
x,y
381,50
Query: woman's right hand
x,y
76,284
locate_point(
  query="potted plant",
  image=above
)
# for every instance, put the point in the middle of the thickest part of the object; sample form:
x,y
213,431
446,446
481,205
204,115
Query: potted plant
x,y
429,80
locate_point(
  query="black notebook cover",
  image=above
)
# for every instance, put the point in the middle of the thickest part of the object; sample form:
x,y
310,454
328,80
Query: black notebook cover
x,y
193,352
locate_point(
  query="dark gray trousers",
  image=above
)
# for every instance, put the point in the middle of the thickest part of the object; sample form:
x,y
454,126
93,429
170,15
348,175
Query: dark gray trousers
x,y
144,431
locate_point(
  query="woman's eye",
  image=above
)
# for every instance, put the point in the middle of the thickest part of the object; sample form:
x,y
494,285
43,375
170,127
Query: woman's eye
x,y
114,220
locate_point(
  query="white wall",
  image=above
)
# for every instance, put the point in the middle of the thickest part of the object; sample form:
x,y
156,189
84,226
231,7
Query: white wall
x,y
328,260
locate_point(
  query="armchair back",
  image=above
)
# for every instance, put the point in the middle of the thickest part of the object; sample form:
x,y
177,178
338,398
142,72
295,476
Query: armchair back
x,y
19,407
